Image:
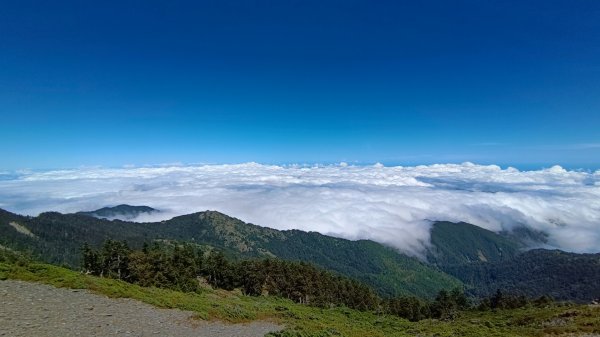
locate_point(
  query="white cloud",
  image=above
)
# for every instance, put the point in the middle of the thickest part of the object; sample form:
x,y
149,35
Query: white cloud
x,y
392,205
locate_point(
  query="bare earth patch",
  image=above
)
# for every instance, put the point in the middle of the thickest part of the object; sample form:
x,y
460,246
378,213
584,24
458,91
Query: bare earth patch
x,y
22,229
31,309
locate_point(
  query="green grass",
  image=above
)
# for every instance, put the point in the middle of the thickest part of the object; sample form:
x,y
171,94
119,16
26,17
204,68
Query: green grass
x,y
305,321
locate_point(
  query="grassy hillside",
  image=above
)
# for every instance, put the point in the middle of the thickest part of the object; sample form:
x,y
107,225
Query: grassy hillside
x,y
305,321
57,238
460,243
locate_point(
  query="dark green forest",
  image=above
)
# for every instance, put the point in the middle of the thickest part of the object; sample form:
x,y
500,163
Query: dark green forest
x,y
180,266
538,272
463,243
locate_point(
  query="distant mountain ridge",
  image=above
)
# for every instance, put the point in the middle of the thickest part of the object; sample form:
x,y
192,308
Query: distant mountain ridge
x,y
486,261
562,275
59,238
461,254
121,212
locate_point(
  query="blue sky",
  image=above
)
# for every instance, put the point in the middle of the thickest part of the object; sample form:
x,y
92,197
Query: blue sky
x,y
399,82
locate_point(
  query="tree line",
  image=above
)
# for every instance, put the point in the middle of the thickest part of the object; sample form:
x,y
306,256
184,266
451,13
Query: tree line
x,y
183,267
180,266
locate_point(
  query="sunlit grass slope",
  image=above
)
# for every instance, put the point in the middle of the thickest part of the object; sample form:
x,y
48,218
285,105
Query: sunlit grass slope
x,y
300,320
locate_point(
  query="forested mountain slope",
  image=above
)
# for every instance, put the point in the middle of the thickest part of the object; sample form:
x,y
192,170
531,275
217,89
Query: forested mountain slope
x,y
461,243
562,275
57,238
486,262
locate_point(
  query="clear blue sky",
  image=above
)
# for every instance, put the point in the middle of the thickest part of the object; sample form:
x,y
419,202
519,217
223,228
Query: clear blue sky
x,y
399,82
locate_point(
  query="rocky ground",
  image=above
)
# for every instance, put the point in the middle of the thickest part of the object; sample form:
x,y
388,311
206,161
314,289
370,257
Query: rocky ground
x,y
31,309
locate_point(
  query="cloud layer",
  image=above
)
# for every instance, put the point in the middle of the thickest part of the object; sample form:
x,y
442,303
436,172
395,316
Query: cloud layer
x,y
391,205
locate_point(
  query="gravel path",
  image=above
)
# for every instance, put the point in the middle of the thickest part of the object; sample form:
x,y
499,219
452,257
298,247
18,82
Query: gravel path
x,y
32,309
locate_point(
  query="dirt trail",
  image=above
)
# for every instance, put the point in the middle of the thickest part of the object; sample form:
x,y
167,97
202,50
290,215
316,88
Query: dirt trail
x,y
31,309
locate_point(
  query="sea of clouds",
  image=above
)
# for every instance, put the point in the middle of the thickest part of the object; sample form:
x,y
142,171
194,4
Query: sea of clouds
x,y
391,205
